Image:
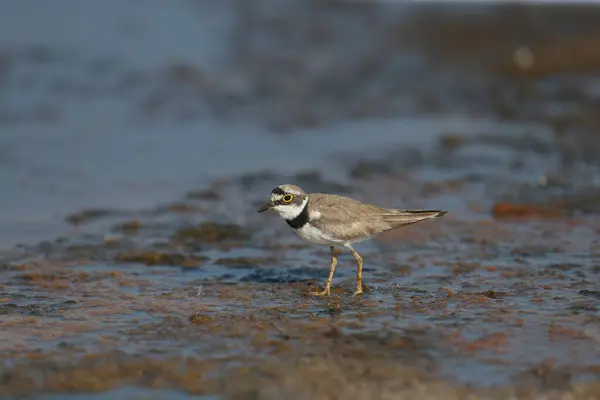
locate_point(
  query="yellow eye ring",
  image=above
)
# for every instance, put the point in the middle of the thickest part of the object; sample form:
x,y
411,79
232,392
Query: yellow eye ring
x,y
288,198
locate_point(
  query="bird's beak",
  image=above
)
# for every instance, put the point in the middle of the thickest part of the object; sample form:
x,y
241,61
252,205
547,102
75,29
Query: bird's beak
x,y
266,207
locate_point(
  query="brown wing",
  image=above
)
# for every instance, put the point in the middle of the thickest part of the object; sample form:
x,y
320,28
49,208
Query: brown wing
x,y
350,219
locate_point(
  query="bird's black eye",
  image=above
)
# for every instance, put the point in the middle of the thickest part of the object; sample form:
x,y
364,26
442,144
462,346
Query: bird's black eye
x,y
287,198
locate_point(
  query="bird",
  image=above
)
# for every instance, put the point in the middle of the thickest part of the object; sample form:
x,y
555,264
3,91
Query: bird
x,y
335,220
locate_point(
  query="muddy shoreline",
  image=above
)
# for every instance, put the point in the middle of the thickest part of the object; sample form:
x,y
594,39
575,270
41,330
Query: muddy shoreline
x,y
481,307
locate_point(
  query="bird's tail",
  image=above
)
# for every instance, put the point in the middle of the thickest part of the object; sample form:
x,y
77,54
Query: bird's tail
x,y
406,217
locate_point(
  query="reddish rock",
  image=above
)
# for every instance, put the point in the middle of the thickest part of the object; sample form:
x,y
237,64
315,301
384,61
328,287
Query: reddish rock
x,y
508,210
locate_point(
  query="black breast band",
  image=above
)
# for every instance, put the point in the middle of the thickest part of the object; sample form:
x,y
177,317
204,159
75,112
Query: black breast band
x,y
300,220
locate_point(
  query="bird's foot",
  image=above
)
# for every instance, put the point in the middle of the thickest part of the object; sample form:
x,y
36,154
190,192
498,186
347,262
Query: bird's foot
x,y
326,292
359,291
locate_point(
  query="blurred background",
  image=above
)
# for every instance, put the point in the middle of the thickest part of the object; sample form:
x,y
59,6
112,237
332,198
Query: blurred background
x,y
138,138
129,104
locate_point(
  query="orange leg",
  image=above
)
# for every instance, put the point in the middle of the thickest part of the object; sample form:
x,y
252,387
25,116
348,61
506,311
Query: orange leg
x,y
359,261
327,291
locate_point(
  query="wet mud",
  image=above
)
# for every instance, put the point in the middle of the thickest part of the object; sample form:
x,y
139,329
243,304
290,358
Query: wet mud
x,y
490,308
198,296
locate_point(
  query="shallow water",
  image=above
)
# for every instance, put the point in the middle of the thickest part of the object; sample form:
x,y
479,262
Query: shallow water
x,y
128,394
478,322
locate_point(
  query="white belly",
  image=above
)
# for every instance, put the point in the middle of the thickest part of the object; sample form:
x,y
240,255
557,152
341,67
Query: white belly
x,y
315,236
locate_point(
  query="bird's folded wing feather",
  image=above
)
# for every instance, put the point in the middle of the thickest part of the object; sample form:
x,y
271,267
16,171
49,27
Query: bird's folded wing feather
x,y
349,219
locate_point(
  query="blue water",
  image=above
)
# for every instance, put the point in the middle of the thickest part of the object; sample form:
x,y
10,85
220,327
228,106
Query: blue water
x,y
126,393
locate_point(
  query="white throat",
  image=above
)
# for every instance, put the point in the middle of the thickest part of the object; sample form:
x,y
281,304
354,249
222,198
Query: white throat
x,y
290,211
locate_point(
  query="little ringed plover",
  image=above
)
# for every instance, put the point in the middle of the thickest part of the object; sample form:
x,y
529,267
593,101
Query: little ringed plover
x,y
329,219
